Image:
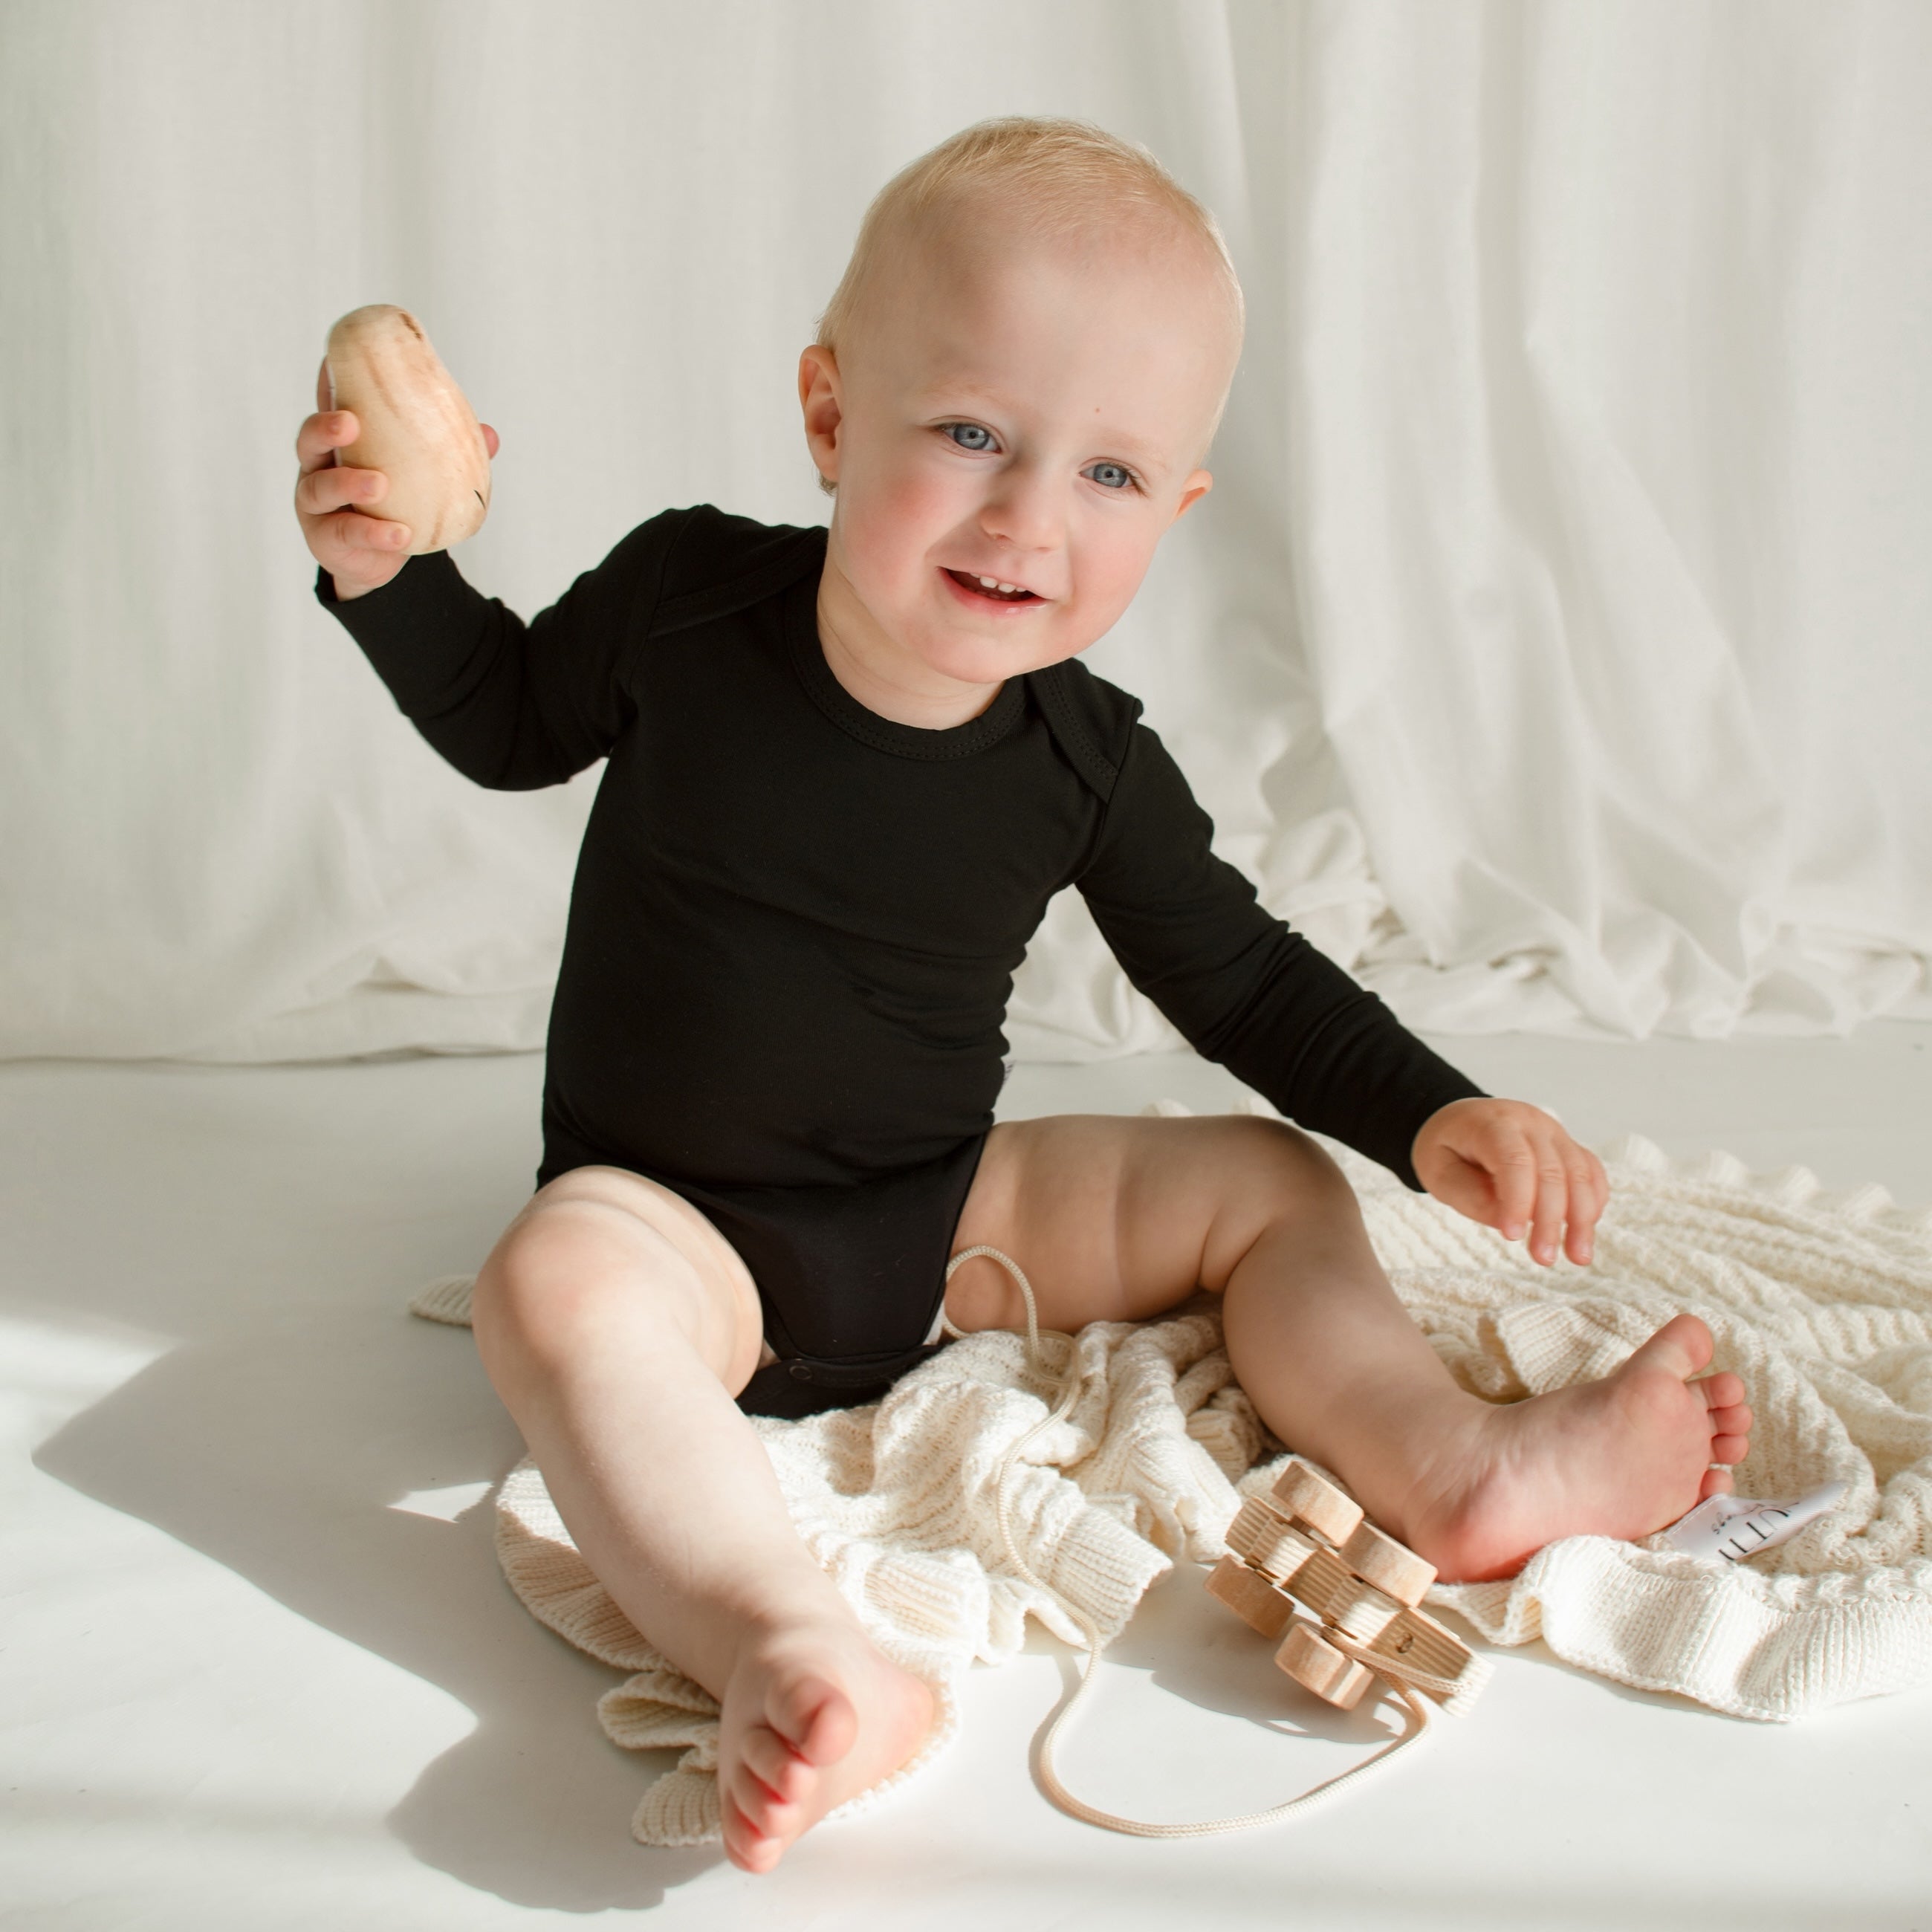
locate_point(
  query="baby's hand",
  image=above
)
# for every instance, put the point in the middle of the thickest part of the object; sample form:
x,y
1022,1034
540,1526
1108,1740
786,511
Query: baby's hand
x,y
362,553
1511,1166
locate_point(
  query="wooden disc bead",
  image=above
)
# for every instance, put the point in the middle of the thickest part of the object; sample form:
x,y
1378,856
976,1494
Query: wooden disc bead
x,y
1319,1666
1309,1492
1392,1568
1335,1594
1253,1599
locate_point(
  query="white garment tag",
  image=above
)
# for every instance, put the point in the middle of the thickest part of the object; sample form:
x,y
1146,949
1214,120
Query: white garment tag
x,y
1736,1527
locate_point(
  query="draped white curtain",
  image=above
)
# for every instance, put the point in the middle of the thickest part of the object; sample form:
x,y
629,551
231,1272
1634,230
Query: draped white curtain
x,y
1551,648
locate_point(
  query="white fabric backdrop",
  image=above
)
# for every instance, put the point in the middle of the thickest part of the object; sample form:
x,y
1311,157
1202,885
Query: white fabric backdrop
x,y
1551,649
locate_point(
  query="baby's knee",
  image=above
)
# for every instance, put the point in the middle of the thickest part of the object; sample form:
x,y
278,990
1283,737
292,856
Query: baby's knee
x,y
1277,1176
1282,1160
547,1282
525,1285
600,1257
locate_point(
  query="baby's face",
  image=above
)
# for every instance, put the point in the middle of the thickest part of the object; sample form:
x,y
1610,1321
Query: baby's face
x,y
1016,416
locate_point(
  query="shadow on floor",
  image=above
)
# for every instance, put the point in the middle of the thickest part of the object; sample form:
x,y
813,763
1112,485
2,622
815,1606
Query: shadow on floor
x,y
275,1221
277,1452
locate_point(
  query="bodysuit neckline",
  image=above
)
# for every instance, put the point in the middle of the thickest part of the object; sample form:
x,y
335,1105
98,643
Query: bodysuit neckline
x,y
886,734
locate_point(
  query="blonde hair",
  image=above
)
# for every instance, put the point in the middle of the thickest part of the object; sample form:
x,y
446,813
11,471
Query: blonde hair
x,y
1048,178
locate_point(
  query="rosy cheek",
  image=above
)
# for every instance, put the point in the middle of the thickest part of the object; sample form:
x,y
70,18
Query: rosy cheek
x,y
902,515
1109,570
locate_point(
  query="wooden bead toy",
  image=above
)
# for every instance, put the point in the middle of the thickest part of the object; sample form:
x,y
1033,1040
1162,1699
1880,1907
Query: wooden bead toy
x,y
1308,1545
1306,1490
1252,1598
1319,1666
1416,1639
1266,1541
1392,1568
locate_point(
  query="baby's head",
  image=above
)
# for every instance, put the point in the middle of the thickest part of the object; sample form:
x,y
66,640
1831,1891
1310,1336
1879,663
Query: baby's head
x,y
1017,379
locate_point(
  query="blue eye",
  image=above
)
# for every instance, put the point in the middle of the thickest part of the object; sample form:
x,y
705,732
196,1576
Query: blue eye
x,y
965,433
1112,475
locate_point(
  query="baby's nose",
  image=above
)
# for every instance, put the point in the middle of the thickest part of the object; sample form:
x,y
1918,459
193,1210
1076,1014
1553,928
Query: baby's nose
x,y
1023,512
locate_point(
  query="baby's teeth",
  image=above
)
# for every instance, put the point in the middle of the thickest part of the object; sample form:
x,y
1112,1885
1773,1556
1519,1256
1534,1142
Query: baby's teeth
x,y
1008,588
989,584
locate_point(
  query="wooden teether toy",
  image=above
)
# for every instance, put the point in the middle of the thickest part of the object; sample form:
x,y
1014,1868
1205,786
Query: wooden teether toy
x,y
414,425
1308,1547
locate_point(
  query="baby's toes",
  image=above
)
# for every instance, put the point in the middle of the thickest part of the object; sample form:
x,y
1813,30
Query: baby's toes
x,y
758,1805
747,1847
1730,1434
814,1717
1716,1483
1682,1346
1722,1390
770,1822
776,1766
1735,1420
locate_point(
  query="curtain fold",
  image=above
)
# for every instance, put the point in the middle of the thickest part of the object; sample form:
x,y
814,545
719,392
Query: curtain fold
x,y
1551,648
1589,300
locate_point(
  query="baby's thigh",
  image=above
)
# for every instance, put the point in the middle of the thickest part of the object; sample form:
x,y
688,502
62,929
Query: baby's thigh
x,y
600,1262
1117,1218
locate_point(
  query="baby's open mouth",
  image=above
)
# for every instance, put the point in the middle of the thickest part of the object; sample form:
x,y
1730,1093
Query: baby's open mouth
x,y
992,589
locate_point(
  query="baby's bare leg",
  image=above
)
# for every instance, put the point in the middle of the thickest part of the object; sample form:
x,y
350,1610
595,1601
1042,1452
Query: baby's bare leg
x,y
617,1324
1117,1219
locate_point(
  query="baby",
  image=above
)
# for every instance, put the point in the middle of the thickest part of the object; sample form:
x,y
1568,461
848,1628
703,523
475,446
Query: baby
x,y
847,770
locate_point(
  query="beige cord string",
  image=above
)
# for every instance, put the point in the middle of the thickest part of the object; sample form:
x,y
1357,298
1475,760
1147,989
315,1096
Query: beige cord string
x,y
1404,1681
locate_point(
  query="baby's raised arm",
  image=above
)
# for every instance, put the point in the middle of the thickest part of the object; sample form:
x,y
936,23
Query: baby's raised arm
x,y
361,549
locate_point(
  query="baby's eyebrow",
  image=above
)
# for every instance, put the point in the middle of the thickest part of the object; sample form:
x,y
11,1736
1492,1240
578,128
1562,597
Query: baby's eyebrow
x,y
945,392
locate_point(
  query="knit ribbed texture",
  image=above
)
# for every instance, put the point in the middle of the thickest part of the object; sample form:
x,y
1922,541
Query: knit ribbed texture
x,y
1823,1303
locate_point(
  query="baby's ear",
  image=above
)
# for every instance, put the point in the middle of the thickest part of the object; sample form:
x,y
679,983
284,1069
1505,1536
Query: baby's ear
x,y
1196,486
819,398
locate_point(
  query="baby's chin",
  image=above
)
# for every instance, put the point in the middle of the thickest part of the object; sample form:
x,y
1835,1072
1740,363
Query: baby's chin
x,y
956,652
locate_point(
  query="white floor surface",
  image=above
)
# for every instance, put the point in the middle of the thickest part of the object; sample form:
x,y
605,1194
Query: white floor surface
x,y
260,1671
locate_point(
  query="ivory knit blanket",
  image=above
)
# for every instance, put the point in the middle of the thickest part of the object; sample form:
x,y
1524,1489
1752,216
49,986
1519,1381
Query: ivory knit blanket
x,y
1822,1303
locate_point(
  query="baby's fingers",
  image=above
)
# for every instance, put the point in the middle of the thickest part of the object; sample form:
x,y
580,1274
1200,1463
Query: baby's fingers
x,y
327,431
329,501
1512,1166
1552,1206
355,535
1571,1190
320,437
1589,1194
321,492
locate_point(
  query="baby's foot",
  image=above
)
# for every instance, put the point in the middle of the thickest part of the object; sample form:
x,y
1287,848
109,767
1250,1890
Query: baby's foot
x,y
1623,1456
812,1716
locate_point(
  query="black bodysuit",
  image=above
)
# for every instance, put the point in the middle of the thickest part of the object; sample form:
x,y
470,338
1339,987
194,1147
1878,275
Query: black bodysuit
x,y
794,924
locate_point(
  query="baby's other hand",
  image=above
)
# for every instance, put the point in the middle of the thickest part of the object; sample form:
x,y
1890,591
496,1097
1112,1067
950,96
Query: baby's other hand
x,y
360,550
1512,1167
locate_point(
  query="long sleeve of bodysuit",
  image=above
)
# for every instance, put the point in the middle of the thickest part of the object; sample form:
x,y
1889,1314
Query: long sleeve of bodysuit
x,y
516,705
512,705
1244,989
